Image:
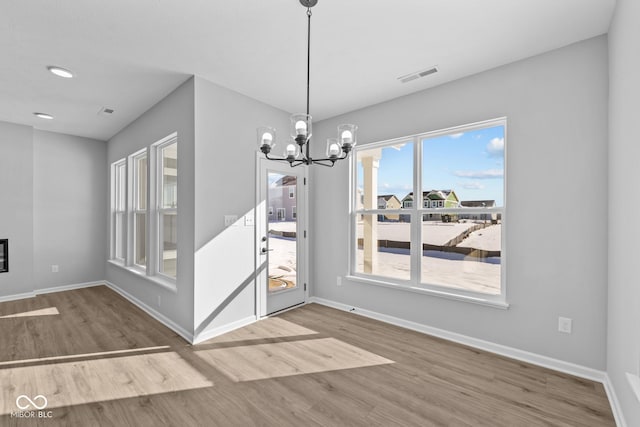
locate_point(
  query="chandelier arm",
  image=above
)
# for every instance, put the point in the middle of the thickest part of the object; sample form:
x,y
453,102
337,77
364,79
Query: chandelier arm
x,y
280,159
323,162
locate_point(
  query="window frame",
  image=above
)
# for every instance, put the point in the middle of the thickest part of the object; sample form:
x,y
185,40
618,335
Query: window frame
x,y
134,210
150,270
159,209
118,206
415,215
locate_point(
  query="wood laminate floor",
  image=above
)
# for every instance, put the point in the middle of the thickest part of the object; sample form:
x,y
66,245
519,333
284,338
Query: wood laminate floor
x,y
100,361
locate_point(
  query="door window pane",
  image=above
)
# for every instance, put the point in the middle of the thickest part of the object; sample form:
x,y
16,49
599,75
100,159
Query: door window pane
x,y
282,232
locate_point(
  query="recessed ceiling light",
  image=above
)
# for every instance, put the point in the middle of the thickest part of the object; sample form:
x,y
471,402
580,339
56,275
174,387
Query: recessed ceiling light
x,y
43,116
60,72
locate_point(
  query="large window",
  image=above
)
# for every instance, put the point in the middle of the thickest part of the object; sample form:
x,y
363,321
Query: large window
x,y
144,211
450,240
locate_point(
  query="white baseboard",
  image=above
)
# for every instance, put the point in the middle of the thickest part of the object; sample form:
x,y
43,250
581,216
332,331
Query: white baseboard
x,y
153,313
513,353
17,296
50,290
613,400
207,334
68,287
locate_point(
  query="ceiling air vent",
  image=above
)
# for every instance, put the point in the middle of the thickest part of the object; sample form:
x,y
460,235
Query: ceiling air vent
x,y
105,111
418,74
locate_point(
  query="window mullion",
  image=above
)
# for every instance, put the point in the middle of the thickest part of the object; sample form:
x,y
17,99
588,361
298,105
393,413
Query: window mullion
x,y
152,208
416,219
129,256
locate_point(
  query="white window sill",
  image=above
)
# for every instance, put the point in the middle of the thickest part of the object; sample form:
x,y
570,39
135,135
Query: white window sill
x,y
158,280
437,293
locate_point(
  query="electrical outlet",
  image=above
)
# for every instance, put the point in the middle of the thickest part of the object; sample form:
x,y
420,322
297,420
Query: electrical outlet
x,y
229,220
564,325
339,281
54,268
248,220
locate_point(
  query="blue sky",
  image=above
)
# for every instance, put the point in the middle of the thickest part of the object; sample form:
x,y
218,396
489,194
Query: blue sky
x,y
470,163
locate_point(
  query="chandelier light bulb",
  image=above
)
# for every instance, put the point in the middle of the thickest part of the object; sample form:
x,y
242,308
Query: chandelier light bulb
x,y
334,149
291,150
301,127
347,137
267,138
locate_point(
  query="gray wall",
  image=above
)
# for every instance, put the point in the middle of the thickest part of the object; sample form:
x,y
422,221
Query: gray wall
x,y
225,176
16,206
175,113
53,208
623,347
70,210
556,105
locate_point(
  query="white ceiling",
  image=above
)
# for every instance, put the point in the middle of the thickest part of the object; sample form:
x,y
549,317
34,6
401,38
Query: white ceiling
x,y
129,54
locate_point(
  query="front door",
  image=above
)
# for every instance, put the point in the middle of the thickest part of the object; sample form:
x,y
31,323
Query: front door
x,y
281,237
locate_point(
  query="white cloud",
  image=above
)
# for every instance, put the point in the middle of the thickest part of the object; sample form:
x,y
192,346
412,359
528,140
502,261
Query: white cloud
x,y
475,185
495,147
484,174
456,135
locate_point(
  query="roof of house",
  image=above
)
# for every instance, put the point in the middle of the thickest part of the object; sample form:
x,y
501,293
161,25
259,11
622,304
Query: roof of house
x,y
478,203
285,180
440,194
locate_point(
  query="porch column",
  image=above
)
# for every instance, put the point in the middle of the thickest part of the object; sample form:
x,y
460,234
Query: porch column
x,y
370,164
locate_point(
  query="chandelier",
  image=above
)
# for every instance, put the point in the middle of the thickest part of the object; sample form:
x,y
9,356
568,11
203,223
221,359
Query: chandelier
x,y
296,151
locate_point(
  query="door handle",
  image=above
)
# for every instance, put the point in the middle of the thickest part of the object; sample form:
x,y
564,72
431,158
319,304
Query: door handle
x,y
263,251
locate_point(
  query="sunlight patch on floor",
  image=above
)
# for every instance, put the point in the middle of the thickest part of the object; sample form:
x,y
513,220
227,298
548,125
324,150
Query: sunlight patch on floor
x,y
262,361
272,327
100,354
76,383
51,311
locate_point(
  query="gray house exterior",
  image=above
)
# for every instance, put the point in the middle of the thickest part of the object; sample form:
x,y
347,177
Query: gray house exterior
x,y
282,200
